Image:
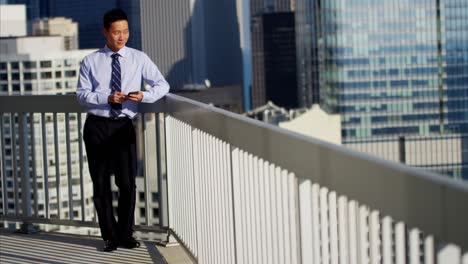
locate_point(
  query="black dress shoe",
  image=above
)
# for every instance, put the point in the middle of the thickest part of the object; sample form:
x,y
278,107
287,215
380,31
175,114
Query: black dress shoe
x,y
109,245
129,243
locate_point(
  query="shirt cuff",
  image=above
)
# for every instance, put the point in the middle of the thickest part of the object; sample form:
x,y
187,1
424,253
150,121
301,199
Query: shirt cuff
x,y
146,97
103,99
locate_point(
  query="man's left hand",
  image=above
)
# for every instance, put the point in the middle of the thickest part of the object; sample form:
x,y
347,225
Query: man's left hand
x,y
135,97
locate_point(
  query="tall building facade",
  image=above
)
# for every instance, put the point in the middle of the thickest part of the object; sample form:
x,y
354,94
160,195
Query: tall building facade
x,y
32,66
257,9
275,59
193,41
393,68
307,53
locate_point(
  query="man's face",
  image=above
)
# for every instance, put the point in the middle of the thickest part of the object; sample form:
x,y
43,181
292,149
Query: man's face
x,y
117,35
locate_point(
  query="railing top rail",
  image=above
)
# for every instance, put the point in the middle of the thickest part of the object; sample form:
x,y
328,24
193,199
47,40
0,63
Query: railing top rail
x,y
437,205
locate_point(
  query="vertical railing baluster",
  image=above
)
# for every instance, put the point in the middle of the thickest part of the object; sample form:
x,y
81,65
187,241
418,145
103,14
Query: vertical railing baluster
x,y
57,167
45,165
374,238
353,230
26,226
230,203
146,173
196,186
3,161
324,223
400,243
306,221
414,250
33,163
80,162
263,192
286,225
14,160
333,218
429,253
294,216
343,226
387,240
235,199
69,171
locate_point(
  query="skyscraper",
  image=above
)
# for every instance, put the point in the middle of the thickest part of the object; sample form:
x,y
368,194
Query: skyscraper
x,y
257,9
393,68
192,41
275,59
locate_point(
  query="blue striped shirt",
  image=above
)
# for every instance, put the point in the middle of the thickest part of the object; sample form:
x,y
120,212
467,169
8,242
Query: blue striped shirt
x,y
94,83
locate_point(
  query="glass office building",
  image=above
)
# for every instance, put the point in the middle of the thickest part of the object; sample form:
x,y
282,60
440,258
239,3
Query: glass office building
x,y
395,68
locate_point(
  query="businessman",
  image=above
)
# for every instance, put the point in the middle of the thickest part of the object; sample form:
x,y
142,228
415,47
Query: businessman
x,y
110,86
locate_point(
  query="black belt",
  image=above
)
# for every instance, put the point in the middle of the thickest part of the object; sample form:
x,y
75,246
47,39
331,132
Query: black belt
x,y
120,118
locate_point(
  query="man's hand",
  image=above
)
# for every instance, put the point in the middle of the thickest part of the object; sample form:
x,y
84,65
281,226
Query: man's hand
x,y
135,96
117,98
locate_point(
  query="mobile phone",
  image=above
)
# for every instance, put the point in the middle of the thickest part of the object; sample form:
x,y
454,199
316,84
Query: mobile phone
x,y
132,93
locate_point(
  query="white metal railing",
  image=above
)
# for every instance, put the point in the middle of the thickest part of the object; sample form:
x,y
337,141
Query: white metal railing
x,y
234,190
241,191
41,143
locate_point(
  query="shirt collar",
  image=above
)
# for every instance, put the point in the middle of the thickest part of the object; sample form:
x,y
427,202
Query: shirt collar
x,y
122,52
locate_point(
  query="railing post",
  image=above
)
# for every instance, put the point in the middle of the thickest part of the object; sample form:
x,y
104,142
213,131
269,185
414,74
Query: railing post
x,y
162,176
402,149
26,226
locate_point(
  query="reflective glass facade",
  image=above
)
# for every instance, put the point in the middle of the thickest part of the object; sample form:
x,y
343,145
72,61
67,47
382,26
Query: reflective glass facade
x,y
391,68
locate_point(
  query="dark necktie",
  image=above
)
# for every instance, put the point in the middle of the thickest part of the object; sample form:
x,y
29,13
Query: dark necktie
x,y
116,83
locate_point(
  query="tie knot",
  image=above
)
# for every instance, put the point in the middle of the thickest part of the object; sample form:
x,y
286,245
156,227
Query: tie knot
x,y
115,56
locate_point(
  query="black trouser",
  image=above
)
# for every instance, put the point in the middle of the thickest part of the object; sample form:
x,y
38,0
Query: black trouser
x,y
110,146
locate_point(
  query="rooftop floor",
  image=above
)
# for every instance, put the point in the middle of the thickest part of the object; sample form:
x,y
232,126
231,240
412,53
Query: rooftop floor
x,y
66,248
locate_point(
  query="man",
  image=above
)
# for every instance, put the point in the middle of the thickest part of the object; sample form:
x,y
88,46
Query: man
x,y
109,85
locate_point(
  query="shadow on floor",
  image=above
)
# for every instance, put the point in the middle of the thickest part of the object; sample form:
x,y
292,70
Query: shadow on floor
x,y
67,248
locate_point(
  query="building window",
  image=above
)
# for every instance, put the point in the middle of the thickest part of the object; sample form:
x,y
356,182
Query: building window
x,y
3,66
30,75
3,77
28,87
70,62
3,87
14,65
155,211
154,197
29,64
58,74
46,75
142,196
70,73
15,87
15,76
142,212
46,64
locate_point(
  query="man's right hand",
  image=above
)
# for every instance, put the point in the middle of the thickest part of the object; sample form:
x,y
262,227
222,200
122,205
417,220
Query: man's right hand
x,y
116,98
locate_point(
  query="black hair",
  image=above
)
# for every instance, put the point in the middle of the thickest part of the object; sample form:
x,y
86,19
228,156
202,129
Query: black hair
x,y
113,15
